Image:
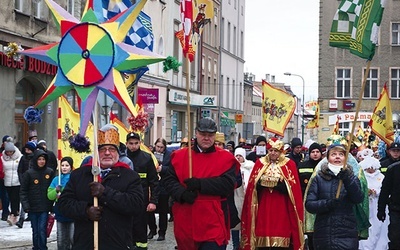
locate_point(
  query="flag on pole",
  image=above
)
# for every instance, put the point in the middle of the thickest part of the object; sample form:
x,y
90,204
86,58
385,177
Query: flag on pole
x,y
278,107
355,26
336,128
314,123
194,16
381,122
68,126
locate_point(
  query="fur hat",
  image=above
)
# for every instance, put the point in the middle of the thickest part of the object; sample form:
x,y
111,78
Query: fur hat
x,y
370,162
240,151
31,134
206,125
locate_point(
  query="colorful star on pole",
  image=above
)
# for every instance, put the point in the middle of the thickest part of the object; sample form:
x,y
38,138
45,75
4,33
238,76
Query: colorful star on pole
x,y
92,56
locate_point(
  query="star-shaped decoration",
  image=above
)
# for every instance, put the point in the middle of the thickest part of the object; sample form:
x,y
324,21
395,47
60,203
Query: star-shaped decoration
x,y
92,56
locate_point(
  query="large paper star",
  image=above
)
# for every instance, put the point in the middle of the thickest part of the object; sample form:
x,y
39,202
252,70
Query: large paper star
x,y
91,56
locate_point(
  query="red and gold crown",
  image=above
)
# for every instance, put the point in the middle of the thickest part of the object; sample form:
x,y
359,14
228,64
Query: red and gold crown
x,y
275,143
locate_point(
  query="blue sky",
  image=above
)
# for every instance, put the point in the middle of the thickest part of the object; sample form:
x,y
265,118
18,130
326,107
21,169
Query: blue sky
x,y
282,36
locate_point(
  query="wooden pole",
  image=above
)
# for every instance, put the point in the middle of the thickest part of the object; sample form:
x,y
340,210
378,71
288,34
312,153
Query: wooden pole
x,y
189,127
95,172
354,124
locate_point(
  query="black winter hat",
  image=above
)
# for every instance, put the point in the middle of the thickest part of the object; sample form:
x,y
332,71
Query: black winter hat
x,y
231,143
314,146
207,125
296,142
260,139
69,160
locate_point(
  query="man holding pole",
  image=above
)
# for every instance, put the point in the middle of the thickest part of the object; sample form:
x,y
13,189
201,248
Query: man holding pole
x,y
119,194
201,216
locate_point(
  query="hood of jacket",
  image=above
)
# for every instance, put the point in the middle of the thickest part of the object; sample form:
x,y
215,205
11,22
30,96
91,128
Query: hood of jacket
x,y
35,157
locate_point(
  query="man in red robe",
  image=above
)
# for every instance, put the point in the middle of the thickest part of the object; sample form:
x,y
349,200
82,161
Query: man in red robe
x,y
201,213
272,215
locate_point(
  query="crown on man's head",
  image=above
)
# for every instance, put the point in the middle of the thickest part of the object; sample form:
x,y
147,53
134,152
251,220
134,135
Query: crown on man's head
x,y
108,136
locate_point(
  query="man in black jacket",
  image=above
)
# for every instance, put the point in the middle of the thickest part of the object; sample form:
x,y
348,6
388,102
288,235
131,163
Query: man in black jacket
x,y
144,166
119,198
392,157
390,195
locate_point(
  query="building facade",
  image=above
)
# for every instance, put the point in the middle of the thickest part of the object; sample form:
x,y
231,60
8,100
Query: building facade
x,y
341,73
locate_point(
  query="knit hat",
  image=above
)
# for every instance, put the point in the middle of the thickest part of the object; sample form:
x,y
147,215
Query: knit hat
x,y
315,146
370,162
42,142
295,142
31,145
69,160
5,138
240,151
260,139
231,143
9,145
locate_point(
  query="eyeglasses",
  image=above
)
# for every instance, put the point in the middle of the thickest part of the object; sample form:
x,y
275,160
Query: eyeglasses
x,y
109,149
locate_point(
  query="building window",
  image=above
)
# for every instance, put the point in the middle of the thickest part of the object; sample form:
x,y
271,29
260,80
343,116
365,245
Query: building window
x,y
70,7
343,80
395,83
37,9
344,128
241,44
371,86
234,40
222,32
395,34
229,37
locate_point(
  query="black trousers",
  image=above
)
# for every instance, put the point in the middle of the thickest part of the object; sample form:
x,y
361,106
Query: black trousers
x,y
162,210
13,196
394,229
139,230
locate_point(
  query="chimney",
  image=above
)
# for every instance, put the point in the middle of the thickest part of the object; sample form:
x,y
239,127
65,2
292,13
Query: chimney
x,y
267,77
272,78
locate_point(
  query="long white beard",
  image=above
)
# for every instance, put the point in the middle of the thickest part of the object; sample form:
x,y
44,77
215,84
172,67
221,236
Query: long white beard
x,y
334,169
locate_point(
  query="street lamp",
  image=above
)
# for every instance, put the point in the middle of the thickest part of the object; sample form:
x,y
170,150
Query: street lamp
x,y
302,110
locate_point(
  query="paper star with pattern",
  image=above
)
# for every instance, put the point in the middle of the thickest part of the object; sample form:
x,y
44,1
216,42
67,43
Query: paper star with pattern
x,y
91,56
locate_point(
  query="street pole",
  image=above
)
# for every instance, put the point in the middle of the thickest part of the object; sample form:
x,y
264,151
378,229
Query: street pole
x,y
302,109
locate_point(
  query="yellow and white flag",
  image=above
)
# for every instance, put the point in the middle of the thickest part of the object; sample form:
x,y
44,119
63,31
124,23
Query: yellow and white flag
x,y
68,126
278,107
314,123
381,122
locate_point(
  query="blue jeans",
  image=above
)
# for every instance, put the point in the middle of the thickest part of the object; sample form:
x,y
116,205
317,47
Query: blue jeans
x,y
39,227
65,235
235,239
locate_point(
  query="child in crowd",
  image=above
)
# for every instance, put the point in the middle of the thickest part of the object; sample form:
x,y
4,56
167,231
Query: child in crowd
x,y
65,226
34,197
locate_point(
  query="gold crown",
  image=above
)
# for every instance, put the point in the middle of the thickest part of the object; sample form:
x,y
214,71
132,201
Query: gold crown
x,y
275,144
110,136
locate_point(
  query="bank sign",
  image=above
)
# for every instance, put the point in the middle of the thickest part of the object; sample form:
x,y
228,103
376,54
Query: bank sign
x,y
180,97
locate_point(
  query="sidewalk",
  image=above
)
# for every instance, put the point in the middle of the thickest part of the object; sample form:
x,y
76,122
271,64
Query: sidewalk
x,y
12,237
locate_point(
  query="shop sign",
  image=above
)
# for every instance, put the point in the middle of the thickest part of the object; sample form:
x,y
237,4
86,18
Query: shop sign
x,y
239,118
28,64
349,117
148,95
180,97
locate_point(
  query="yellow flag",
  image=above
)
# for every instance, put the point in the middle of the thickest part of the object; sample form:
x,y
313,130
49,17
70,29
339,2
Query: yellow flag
x,y
381,122
278,107
336,128
314,123
68,126
123,132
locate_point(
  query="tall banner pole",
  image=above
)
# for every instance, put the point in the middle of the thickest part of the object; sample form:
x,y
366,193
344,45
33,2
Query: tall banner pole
x,y
189,126
354,124
95,172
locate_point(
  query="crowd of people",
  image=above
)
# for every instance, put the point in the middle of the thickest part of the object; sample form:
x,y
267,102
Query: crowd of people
x,y
267,196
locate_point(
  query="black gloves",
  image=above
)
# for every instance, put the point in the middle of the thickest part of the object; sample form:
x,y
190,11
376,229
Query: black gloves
x,y
333,203
94,213
192,184
188,196
281,187
345,173
58,188
96,189
381,215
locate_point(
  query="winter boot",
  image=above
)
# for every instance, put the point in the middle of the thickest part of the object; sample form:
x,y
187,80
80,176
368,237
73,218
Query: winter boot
x,y
20,222
11,220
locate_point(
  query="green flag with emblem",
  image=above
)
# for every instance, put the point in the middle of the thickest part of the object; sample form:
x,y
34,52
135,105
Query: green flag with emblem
x,y
355,26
